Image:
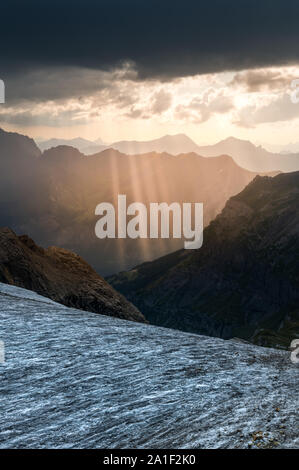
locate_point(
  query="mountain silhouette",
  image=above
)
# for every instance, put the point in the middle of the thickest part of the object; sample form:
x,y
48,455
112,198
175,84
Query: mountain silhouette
x,y
173,144
84,145
245,154
252,157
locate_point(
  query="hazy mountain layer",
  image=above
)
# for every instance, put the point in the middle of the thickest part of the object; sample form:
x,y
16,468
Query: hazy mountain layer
x,y
53,198
243,281
83,145
80,380
251,157
173,144
245,154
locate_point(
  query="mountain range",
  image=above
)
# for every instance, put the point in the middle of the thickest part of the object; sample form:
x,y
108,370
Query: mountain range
x,y
252,157
245,154
83,145
243,281
53,195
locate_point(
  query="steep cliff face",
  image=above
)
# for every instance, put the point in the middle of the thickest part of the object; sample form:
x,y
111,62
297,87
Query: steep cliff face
x,y
60,275
243,281
17,147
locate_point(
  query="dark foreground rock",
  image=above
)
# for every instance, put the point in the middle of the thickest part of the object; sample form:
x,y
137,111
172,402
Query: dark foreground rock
x,y
60,275
80,380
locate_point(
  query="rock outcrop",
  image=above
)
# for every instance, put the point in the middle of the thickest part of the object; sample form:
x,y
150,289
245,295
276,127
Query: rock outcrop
x,y
60,275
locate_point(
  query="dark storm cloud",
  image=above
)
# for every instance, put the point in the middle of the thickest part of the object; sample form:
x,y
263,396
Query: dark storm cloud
x,y
28,118
54,83
164,38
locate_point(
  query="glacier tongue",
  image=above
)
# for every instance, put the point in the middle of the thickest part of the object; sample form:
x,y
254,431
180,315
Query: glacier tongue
x,y
74,379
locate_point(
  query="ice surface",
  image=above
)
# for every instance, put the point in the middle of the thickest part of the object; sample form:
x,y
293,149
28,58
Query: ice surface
x,y
81,380
8,290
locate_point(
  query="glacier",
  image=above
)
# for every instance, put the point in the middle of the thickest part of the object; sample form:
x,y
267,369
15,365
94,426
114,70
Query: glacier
x,y
73,379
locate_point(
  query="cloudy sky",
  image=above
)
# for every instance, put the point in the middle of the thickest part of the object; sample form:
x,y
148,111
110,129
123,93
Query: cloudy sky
x,y
138,69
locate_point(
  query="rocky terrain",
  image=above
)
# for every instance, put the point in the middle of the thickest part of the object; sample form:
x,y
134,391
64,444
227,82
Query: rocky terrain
x,y
60,275
243,281
80,380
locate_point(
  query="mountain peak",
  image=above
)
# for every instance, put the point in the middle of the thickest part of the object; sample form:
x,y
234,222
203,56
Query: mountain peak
x,y
17,146
63,151
232,140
